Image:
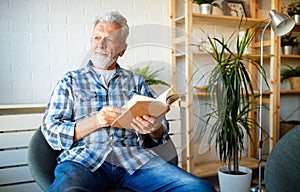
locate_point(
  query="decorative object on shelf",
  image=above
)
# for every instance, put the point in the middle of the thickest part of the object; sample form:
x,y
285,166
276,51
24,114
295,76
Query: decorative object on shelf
x,y
201,88
205,6
293,10
232,100
291,74
288,42
150,75
286,126
235,8
281,25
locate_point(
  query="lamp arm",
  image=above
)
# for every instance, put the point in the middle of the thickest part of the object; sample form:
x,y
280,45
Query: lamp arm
x,y
261,65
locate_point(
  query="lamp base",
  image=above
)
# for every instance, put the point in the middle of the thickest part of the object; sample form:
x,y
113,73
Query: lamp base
x,y
256,189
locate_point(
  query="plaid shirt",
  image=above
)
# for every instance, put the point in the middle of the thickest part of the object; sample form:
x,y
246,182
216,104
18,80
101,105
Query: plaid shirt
x,y
80,94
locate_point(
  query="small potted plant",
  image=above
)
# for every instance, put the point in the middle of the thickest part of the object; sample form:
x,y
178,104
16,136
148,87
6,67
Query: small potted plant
x,y
151,77
288,42
205,6
291,74
293,10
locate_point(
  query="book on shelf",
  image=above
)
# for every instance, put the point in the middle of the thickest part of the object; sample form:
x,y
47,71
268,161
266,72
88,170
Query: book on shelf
x,y
140,105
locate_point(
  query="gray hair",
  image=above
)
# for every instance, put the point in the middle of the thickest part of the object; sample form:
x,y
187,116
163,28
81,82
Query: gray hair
x,y
115,17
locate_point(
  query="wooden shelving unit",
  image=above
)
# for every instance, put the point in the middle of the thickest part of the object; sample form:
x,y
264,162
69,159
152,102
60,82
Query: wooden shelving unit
x,y
186,21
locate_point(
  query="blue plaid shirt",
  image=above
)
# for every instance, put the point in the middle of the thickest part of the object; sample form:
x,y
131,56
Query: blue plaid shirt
x,y
79,94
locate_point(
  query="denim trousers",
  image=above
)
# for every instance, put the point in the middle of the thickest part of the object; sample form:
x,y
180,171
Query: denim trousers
x,y
156,175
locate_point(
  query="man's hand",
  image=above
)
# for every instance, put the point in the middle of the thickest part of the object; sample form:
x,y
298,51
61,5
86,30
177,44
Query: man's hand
x,y
107,115
149,125
102,119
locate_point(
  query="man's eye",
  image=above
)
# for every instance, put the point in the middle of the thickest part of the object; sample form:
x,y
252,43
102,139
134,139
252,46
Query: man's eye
x,y
110,40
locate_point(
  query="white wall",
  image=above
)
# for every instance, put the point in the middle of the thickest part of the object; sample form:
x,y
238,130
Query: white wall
x,y
42,39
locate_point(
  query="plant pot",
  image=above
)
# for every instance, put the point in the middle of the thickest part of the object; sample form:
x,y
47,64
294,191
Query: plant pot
x,y
297,18
287,50
234,183
295,83
205,8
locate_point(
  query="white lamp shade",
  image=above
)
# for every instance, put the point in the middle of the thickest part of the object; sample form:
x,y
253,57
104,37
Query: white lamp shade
x,y
281,23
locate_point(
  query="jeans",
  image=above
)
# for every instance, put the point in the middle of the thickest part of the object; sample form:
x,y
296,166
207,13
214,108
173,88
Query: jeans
x,y
156,175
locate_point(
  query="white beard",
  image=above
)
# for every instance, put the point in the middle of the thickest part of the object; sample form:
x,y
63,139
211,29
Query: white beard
x,y
101,61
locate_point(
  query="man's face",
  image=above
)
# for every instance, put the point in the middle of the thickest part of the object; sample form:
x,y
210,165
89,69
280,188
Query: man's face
x,y
107,45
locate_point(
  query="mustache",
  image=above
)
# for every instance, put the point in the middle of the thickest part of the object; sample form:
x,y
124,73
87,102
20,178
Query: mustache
x,y
98,50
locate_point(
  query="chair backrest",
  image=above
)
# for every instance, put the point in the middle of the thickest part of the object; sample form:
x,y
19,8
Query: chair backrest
x,y
282,171
42,158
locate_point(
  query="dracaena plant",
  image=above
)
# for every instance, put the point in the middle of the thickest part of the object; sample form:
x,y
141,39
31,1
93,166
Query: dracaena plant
x,y
233,96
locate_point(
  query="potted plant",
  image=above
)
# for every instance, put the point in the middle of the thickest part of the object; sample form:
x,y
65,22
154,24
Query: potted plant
x,y
293,10
151,77
291,74
288,42
205,6
232,100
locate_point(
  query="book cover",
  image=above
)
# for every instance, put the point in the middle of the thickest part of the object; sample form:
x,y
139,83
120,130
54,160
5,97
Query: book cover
x,y
141,105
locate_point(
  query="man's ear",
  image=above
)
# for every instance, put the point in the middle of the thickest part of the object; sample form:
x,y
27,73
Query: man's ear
x,y
123,51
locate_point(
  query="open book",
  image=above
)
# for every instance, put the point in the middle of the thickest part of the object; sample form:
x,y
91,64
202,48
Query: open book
x,y
141,105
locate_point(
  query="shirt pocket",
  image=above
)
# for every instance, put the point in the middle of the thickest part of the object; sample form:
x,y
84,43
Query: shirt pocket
x,y
83,96
85,103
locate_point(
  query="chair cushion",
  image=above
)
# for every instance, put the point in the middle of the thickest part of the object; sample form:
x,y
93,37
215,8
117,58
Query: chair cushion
x,y
282,171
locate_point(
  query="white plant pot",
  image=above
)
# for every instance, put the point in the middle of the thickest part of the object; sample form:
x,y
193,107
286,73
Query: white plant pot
x,y
234,183
287,50
205,8
297,18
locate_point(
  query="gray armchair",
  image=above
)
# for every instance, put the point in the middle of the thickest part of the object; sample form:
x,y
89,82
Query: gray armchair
x,y
282,171
42,159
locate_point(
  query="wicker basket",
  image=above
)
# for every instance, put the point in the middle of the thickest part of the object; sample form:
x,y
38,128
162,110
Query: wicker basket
x,y
286,126
295,83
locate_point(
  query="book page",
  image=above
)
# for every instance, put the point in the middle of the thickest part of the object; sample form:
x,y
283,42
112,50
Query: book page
x,y
135,99
168,98
163,97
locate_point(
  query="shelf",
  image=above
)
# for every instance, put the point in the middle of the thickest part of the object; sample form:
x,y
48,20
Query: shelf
x,y
282,92
209,169
290,56
220,20
285,92
247,55
203,91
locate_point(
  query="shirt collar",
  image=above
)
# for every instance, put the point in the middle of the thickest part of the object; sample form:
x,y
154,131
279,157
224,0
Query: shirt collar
x,y
88,68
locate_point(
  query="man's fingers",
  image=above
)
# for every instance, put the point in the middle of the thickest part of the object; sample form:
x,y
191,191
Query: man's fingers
x,y
114,109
